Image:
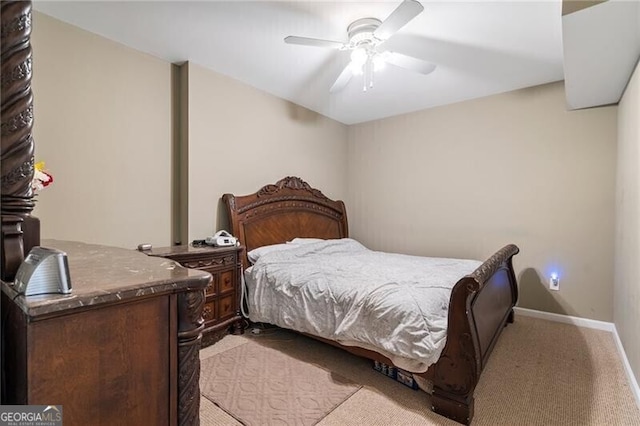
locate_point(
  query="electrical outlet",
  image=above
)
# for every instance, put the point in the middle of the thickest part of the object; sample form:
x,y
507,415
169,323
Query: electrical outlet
x,y
554,282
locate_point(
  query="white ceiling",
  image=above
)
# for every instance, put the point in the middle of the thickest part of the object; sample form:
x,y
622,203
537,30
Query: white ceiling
x,y
601,48
480,48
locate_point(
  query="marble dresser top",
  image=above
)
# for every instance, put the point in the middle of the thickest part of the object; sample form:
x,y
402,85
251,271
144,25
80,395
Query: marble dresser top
x,y
102,274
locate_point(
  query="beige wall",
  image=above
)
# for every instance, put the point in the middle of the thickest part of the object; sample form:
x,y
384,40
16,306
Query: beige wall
x,y
459,180
627,236
103,127
241,138
465,179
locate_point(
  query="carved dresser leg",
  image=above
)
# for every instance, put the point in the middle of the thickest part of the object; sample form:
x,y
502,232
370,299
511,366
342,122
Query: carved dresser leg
x,y
190,326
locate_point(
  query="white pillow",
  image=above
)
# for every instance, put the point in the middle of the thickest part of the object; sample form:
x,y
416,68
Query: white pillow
x,y
305,240
255,254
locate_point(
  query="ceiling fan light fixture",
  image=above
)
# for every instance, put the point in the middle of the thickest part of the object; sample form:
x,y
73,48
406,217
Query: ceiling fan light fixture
x,y
366,60
359,56
365,35
378,62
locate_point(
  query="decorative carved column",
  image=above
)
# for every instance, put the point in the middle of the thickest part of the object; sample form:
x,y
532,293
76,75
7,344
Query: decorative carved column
x,y
20,230
190,326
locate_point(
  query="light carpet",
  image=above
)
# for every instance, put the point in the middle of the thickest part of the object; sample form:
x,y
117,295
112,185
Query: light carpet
x,y
262,386
540,373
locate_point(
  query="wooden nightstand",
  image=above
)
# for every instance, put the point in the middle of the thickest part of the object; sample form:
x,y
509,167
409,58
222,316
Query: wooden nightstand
x,y
221,311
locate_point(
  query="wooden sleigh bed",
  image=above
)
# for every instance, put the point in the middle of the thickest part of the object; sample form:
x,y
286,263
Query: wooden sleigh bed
x,y
481,303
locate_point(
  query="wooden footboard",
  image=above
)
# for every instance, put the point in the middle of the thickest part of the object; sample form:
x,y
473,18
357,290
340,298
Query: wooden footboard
x,y
481,303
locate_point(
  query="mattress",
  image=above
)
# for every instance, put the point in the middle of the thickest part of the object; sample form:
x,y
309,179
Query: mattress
x,y
390,303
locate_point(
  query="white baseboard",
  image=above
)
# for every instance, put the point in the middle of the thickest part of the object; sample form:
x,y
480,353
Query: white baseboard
x,y
589,323
627,367
566,319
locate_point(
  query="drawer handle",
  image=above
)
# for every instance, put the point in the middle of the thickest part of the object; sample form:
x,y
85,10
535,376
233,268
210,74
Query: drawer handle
x,y
227,280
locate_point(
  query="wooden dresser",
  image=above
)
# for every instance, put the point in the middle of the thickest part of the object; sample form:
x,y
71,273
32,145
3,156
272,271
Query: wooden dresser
x,y
221,311
122,348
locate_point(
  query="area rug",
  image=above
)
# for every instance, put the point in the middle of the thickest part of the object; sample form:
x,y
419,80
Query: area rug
x,y
258,386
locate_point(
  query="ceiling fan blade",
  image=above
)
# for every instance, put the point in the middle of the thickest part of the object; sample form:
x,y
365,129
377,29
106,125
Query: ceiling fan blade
x,y
404,13
315,42
409,62
342,80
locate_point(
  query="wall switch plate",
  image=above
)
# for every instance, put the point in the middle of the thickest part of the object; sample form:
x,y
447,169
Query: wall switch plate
x,y
554,283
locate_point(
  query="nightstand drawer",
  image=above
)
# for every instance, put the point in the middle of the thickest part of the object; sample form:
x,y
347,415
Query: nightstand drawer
x,y
210,290
227,283
221,310
209,311
207,261
226,306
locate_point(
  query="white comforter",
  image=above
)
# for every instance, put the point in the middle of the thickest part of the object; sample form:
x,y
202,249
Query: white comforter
x,y
338,289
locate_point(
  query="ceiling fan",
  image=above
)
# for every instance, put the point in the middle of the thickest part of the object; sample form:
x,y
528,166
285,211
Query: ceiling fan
x,y
366,36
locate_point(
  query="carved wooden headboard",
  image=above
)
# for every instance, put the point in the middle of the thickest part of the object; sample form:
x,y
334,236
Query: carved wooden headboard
x,y
282,211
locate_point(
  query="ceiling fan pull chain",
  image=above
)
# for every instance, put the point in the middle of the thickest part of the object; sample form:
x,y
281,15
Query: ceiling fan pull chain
x,y
367,76
371,72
